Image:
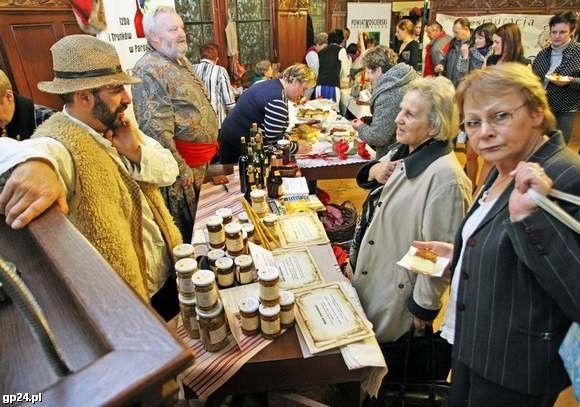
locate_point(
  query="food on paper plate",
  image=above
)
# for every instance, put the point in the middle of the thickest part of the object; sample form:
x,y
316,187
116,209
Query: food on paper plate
x,y
424,261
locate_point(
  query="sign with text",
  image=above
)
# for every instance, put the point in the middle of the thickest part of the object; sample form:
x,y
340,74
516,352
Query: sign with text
x,y
534,27
372,19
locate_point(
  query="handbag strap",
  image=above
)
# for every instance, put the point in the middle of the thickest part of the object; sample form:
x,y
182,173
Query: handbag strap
x,y
554,210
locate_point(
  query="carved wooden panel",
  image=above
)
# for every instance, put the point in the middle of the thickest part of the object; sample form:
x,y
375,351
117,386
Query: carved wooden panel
x,y
35,3
25,40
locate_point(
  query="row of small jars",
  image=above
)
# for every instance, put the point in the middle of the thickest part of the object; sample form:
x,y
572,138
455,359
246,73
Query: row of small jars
x,y
229,272
258,318
234,236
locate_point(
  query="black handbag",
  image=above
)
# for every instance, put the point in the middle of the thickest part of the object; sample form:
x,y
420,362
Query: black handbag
x,y
426,361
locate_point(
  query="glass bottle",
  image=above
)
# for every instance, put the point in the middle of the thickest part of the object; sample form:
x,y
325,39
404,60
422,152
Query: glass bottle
x,y
243,162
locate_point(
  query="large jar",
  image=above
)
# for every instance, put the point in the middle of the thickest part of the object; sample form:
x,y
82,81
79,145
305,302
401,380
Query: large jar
x,y
225,272
244,269
287,316
189,316
270,321
269,278
206,294
215,232
213,328
249,316
184,269
234,239
182,251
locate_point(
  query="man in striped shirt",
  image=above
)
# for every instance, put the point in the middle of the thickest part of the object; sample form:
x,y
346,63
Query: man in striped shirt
x,y
216,81
265,103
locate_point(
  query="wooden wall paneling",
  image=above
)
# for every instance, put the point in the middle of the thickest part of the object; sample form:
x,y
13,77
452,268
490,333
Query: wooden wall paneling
x,y
220,20
291,27
26,35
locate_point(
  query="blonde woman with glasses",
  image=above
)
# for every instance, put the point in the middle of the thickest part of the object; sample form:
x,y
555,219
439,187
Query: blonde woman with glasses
x,y
515,284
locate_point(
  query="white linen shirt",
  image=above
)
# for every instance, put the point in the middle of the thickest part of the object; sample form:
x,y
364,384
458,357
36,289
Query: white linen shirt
x,y
157,166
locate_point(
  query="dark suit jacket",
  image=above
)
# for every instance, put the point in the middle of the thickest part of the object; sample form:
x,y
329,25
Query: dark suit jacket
x,y
519,288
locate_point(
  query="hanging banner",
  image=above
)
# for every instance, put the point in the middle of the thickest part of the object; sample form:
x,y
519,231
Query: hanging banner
x,y
372,19
534,27
125,28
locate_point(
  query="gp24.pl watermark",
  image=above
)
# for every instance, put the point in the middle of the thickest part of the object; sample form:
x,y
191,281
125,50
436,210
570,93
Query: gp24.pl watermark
x,y
22,397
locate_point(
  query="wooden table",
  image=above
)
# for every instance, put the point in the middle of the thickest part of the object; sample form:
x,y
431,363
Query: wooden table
x,y
281,364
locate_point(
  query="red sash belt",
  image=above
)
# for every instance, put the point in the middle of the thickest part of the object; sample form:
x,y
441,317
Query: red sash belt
x,y
196,154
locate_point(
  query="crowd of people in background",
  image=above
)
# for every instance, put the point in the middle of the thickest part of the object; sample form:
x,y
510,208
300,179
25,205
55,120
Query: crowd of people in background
x,y
513,278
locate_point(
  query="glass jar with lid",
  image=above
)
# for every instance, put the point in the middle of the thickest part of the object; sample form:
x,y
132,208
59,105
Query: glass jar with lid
x,y
234,239
215,232
213,328
270,321
259,204
270,221
225,214
184,269
269,288
189,316
212,256
249,316
287,316
225,272
206,294
244,269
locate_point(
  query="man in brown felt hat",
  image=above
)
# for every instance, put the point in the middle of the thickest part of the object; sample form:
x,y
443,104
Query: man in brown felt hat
x,y
99,168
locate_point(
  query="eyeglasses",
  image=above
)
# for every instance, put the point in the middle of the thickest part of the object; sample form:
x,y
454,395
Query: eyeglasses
x,y
498,119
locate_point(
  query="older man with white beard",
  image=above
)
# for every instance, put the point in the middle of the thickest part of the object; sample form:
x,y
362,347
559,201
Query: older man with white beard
x,y
171,105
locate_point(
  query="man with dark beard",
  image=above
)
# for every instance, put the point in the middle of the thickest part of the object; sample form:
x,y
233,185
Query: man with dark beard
x,y
99,168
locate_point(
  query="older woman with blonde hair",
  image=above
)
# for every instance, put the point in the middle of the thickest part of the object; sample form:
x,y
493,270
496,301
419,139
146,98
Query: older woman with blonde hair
x,y
418,190
515,285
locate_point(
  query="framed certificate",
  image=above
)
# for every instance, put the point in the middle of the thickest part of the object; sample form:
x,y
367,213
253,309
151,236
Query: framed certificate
x,y
301,229
328,319
298,269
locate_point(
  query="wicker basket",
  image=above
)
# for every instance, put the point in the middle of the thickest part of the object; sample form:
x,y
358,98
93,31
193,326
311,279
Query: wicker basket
x,y
344,232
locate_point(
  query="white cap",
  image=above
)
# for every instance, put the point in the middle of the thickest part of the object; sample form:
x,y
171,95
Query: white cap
x,y
243,217
258,193
224,212
269,311
203,277
268,273
248,304
233,228
270,218
243,260
185,265
214,221
215,254
224,263
183,250
286,297
247,227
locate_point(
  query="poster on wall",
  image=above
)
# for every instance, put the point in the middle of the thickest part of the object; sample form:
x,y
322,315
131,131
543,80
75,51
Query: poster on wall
x,y
372,19
534,27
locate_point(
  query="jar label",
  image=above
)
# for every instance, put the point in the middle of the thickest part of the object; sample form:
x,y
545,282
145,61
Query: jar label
x,y
217,238
246,277
270,327
270,293
206,299
218,335
251,323
287,317
225,280
235,245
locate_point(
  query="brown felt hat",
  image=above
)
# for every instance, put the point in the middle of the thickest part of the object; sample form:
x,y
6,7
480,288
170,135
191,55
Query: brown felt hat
x,y
84,62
